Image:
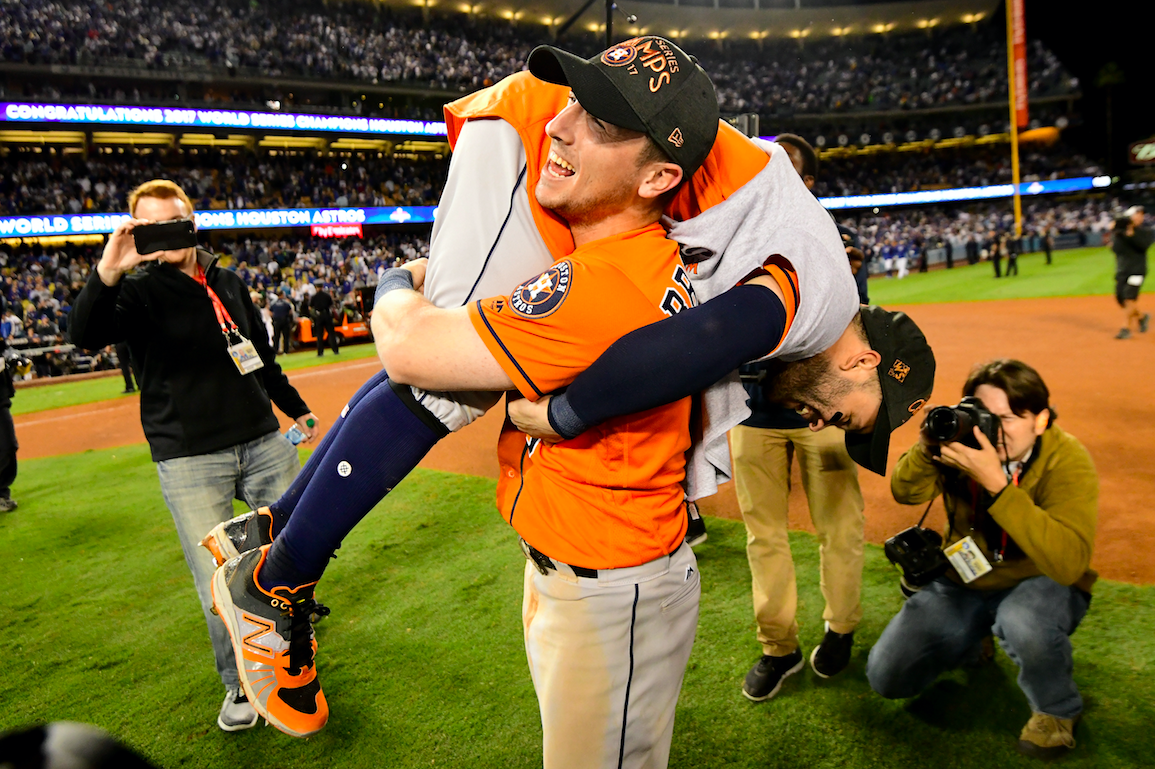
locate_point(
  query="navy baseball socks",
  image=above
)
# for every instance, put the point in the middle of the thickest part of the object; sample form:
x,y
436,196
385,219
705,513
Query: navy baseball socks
x,y
381,437
259,527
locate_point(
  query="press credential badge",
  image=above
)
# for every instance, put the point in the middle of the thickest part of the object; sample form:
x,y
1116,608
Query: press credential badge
x,y
967,559
245,356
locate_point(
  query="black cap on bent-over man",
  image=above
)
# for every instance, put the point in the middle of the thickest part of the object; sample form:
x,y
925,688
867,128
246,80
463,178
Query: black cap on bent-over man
x,y
906,374
646,84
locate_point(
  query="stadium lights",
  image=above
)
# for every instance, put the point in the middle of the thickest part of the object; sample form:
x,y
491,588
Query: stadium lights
x,y
927,23
840,31
508,15
378,145
124,137
210,140
971,18
294,142
42,137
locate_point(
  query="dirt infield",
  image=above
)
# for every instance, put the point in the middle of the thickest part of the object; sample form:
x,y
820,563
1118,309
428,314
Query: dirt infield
x,y
1101,387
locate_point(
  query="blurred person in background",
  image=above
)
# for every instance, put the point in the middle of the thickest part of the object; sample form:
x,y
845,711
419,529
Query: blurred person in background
x,y
763,450
321,306
283,321
1130,242
8,443
124,359
210,425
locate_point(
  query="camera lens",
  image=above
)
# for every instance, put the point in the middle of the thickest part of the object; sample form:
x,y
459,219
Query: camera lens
x,y
942,424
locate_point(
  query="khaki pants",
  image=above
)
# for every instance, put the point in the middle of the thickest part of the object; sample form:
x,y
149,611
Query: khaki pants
x,y
830,479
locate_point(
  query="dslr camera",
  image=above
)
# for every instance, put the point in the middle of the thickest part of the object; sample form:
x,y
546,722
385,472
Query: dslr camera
x,y
948,424
917,552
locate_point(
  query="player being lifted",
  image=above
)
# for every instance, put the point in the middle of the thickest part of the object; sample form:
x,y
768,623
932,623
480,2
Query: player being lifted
x,y
604,166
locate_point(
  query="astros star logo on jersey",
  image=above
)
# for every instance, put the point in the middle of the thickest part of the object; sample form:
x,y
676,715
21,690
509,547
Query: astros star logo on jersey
x,y
540,296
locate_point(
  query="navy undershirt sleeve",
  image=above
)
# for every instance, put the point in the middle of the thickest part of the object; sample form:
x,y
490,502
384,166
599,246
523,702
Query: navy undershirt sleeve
x,y
672,359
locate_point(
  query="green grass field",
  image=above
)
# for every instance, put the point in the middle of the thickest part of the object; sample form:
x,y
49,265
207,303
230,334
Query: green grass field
x,y
1077,272
54,396
422,658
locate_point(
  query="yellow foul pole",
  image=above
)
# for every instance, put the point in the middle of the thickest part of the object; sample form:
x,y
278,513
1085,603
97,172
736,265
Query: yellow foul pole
x,y
1014,118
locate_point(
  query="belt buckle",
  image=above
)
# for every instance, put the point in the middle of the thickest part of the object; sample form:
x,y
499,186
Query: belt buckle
x,y
527,551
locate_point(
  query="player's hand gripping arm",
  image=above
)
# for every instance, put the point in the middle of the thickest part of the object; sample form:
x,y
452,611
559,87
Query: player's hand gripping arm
x,y
663,362
426,346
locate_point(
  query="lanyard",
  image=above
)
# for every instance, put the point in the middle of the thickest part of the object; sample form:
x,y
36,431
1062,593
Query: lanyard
x,y
222,313
997,554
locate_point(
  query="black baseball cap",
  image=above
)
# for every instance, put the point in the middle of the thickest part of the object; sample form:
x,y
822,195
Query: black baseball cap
x,y
646,84
906,374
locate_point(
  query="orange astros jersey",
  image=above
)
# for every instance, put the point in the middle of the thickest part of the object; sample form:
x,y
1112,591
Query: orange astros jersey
x,y
528,104
612,497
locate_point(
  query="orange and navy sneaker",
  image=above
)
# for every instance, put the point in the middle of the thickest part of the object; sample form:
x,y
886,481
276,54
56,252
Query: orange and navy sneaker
x,y
229,539
274,645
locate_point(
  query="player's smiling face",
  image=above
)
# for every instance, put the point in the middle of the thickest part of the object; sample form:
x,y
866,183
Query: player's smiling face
x,y
593,168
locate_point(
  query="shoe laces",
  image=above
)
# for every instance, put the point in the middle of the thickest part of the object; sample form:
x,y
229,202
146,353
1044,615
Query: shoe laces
x,y
301,633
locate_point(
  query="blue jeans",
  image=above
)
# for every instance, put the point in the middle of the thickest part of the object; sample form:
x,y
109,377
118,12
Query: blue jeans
x,y
940,626
199,492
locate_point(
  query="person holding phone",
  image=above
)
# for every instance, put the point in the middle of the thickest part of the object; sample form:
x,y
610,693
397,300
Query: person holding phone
x,y
208,379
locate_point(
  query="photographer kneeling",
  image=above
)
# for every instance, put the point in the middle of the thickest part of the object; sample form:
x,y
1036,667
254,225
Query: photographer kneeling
x,y
1020,525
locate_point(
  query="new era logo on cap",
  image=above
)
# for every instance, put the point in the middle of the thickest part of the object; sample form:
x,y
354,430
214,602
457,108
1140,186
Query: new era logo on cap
x,y
676,138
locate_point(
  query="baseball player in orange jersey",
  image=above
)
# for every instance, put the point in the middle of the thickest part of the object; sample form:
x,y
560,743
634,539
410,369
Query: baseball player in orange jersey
x,y
322,503
611,592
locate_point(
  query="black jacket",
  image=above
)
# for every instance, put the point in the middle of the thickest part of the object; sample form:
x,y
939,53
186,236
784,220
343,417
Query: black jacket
x,y
1131,252
192,398
322,305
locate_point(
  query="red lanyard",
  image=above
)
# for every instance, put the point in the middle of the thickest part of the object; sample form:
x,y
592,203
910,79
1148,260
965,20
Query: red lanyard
x,y
223,316
1014,480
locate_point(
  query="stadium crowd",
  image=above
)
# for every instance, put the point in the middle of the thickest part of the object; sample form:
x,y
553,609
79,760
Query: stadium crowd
x,y
971,230
946,168
955,66
56,184
356,41
60,184
41,282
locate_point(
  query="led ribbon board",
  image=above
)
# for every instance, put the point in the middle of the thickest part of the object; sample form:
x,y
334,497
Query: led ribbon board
x,y
1078,184
244,219
177,117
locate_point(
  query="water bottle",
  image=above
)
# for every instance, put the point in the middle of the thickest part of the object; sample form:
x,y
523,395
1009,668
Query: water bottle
x,y
295,434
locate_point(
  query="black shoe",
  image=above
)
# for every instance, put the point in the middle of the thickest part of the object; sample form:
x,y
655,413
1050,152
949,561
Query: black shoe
x,y
1124,333
7,504
129,390
831,657
696,528
1144,323
765,678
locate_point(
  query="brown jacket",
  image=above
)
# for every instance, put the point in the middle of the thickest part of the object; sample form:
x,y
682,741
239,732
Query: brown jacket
x,y
1049,518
